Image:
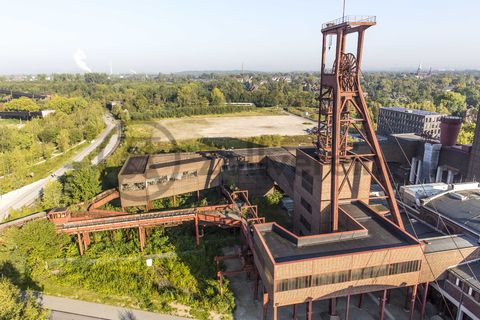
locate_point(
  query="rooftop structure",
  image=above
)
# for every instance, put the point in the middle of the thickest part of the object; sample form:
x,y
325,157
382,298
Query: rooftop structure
x,y
454,208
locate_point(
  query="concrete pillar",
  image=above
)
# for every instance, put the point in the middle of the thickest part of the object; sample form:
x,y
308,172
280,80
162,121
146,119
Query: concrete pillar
x,y
413,169
439,175
294,312
450,176
419,172
383,300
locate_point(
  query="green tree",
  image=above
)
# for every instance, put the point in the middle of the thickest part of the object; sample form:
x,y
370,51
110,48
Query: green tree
x,y
17,306
82,184
52,194
188,95
67,105
63,140
454,102
274,197
22,104
217,97
467,133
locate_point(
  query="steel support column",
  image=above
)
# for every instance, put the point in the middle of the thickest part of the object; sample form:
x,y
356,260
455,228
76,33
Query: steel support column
x,y
347,307
80,244
141,236
413,297
86,240
309,309
294,312
255,289
406,304
333,307
424,300
197,234
265,304
383,300
360,301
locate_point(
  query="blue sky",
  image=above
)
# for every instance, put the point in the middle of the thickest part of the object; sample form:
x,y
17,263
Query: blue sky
x,y
266,35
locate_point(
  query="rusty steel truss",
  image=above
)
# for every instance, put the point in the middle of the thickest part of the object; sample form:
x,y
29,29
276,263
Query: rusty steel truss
x,y
343,112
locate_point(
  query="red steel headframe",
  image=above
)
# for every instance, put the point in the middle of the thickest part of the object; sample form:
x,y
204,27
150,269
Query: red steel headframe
x,y
343,109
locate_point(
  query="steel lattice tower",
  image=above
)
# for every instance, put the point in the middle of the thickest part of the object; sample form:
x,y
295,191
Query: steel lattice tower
x,y
343,112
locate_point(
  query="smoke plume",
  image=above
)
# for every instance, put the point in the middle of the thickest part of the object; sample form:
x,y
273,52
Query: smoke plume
x,y
79,57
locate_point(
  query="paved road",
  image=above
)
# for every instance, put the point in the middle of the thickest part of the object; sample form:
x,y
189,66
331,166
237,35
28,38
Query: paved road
x,y
70,309
29,193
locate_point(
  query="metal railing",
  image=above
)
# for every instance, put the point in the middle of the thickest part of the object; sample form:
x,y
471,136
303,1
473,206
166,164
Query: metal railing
x,y
345,19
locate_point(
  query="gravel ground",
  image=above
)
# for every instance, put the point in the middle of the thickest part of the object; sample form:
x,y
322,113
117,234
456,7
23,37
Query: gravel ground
x,y
235,127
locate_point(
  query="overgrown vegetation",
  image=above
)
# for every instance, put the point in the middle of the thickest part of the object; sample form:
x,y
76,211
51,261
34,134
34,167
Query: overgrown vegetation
x,y
15,305
34,147
113,269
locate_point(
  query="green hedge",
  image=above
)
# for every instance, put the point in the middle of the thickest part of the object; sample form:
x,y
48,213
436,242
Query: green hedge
x,y
189,111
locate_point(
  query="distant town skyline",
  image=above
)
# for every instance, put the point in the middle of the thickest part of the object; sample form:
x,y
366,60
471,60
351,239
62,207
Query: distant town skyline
x,y
149,36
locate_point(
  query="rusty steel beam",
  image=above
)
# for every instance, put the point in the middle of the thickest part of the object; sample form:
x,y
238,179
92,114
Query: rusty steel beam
x,y
341,96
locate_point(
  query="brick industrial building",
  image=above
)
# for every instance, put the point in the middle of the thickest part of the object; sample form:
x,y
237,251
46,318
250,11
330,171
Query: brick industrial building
x,y
403,120
349,236
347,240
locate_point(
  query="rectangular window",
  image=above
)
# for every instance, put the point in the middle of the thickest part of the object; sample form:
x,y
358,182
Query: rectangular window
x,y
349,275
306,205
404,267
293,283
307,181
305,223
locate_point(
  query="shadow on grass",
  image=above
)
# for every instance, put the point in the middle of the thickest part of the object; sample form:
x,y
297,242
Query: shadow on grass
x,y
22,280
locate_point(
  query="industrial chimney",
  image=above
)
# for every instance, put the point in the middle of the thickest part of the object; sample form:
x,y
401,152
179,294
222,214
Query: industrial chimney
x,y
449,129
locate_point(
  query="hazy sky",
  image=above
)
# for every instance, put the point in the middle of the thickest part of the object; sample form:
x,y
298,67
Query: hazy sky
x,y
266,35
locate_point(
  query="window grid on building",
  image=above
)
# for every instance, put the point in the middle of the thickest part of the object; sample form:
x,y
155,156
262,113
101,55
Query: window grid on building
x,y
307,182
347,275
307,206
305,223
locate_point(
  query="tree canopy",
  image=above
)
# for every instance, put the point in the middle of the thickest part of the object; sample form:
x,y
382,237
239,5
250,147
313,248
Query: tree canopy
x,y
14,305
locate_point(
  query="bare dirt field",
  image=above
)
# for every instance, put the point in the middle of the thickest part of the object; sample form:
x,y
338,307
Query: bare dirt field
x,y
232,126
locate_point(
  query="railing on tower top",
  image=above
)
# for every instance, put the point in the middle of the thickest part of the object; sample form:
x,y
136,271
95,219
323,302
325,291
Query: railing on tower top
x,y
372,19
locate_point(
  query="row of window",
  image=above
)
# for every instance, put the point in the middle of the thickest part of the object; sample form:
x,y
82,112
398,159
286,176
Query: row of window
x,y
305,223
159,180
307,181
466,288
307,206
346,276
172,177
